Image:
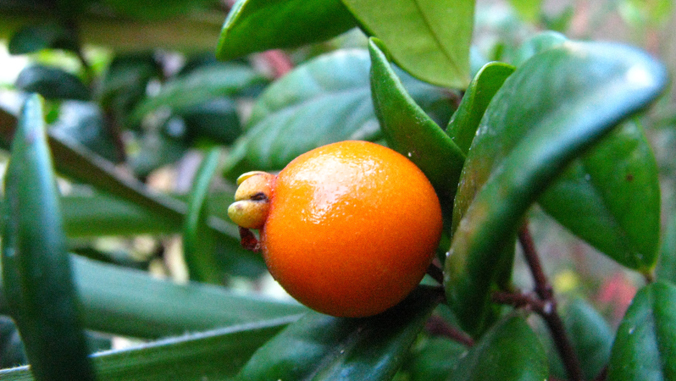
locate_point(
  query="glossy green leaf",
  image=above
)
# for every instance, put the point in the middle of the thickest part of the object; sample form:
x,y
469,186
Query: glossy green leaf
x,y
258,25
130,302
216,121
645,346
198,86
33,38
610,197
211,355
421,36
36,269
434,360
666,268
156,9
410,131
51,83
325,100
198,239
536,44
548,112
464,123
510,351
322,347
590,336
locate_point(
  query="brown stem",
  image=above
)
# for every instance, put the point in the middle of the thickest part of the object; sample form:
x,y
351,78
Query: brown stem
x,y
548,310
437,326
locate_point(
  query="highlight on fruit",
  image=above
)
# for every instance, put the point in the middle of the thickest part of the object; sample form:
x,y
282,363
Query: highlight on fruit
x,y
348,229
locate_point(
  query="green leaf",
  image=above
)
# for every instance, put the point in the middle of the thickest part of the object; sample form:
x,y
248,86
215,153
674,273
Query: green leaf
x,y
258,25
323,347
410,131
610,197
198,239
434,360
33,38
646,339
216,120
464,123
536,44
325,100
159,148
130,302
528,10
211,355
553,108
666,269
100,214
509,351
198,86
83,123
420,36
36,269
51,83
12,352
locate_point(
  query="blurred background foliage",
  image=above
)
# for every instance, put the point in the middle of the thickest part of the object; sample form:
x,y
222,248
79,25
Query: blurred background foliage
x,y
135,97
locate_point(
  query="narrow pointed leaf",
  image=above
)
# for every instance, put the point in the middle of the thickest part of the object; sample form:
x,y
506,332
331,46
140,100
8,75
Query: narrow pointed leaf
x,y
198,86
420,36
36,269
464,123
410,131
510,351
77,162
258,25
131,303
610,197
553,108
322,347
198,239
52,83
645,345
211,355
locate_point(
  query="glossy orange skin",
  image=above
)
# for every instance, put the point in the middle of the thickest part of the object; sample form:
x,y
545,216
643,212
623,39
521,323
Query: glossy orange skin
x,y
352,228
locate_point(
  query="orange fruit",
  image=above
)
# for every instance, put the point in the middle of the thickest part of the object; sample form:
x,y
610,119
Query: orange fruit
x,y
351,227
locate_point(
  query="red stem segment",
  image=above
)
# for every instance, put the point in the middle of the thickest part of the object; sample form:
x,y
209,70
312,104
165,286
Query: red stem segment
x,y
546,306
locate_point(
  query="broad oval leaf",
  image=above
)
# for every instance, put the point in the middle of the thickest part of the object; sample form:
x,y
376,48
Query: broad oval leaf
x,y
666,268
36,269
434,359
462,126
536,44
198,86
33,38
610,197
645,345
257,25
328,99
510,351
430,39
552,109
52,83
410,131
323,347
